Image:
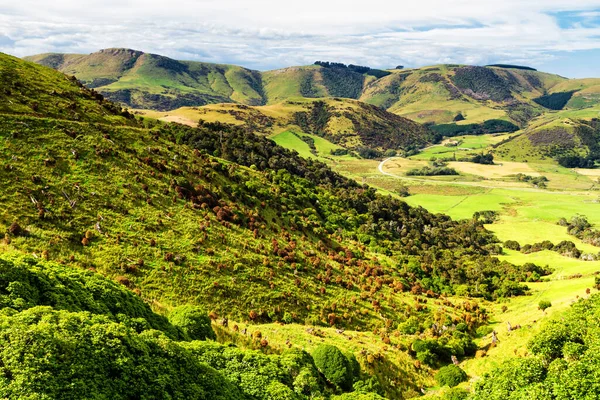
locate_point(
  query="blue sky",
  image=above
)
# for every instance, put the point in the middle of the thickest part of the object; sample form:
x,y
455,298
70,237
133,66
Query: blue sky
x,y
559,36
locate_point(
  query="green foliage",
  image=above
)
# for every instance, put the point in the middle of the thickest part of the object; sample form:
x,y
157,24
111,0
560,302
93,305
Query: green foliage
x,y
431,171
555,101
439,351
342,82
358,396
193,321
544,304
564,363
488,126
579,227
334,365
26,283
537,181
450,375
512,245
46,351
487,159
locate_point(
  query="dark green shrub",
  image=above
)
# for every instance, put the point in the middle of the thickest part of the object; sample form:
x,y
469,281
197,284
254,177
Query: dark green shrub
x,y
193,321
544,304
333,365
512,245
450,375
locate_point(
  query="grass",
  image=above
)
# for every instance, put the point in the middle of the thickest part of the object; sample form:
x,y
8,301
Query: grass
x,y
290,140
467,144
494,171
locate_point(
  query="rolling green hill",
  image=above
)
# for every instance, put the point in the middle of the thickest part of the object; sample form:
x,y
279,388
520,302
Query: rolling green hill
x,y
436,94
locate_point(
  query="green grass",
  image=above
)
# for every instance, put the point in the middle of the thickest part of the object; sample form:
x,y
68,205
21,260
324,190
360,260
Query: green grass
x,y
291,141
467,146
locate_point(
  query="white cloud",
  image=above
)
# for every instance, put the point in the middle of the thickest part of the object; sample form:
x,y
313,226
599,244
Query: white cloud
x,y
267,34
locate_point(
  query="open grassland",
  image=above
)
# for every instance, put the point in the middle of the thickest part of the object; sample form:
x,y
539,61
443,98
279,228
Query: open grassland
x,y
493,171
465,145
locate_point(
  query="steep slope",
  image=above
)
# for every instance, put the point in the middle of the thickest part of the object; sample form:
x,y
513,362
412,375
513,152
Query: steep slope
x,y
28,88
143,80
347,123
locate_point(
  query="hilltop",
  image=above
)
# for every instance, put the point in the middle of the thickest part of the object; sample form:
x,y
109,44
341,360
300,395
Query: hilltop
x,y
435,94
144,80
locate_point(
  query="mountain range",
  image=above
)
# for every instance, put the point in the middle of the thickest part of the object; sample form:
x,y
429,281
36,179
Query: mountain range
x,y
434,94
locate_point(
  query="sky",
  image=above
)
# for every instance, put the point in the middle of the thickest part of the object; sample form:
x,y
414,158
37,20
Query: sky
x,y
558,36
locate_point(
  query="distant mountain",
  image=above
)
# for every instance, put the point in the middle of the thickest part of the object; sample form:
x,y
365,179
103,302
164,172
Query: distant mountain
x,y
435,94
144,80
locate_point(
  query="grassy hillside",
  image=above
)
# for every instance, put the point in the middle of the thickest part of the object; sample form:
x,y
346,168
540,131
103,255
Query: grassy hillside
x,y
573,143
218,217
143,80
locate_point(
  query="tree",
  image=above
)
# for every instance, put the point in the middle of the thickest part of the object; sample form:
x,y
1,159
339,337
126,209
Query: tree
x,y
450,375
333,365
193,321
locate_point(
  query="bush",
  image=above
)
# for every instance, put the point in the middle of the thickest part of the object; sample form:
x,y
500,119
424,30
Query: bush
x,y
193,321
544,304
429,171
450,375
512,245
487,159
334,366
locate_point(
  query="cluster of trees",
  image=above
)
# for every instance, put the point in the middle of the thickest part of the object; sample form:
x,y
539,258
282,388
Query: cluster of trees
x,y
512,67
576,161
538,181
489,126
431,171
343,82
563,363
487,159
378,73
555,101
565,248
579,227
